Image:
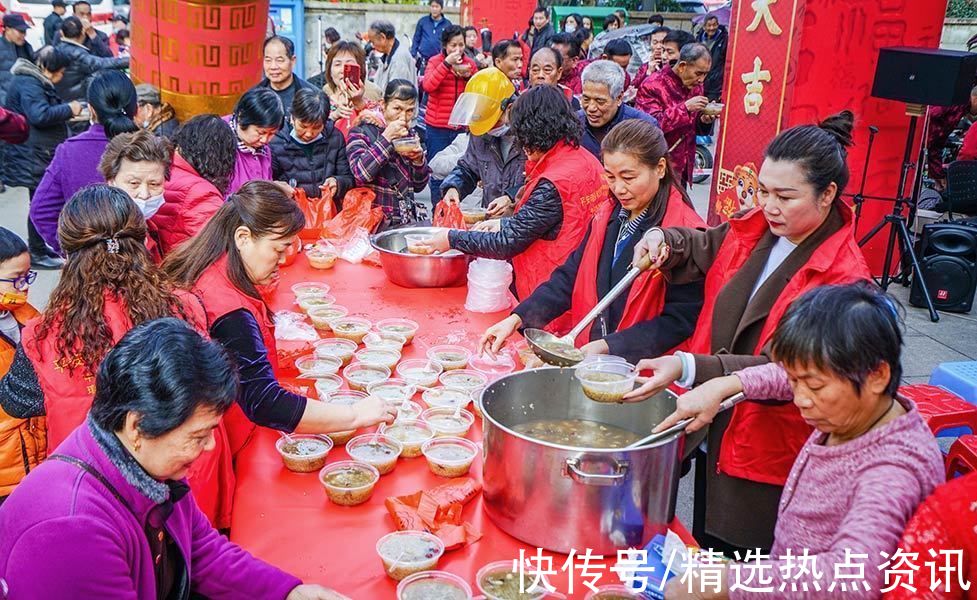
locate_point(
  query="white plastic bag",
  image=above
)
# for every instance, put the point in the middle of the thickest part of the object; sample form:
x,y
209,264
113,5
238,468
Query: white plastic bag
x,y
291,326
357,248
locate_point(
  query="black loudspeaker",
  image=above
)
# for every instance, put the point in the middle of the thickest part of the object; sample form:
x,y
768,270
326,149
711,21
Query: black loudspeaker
x,y
948,258
925,76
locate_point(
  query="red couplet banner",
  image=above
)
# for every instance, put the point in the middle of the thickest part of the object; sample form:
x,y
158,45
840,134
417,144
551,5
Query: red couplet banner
x,y
794,62
503,17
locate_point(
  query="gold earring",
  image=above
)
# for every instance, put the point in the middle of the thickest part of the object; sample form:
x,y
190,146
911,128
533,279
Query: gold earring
x,y
138,445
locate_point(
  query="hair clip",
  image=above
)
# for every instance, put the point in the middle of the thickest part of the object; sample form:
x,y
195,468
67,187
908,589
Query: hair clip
x,y
113,245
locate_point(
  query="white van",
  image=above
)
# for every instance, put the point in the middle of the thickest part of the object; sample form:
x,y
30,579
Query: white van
x,y
35,11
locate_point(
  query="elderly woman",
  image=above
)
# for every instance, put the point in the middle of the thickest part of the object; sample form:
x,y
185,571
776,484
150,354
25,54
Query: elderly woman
x,y
870,461
109,515
564,188
753,267
256,119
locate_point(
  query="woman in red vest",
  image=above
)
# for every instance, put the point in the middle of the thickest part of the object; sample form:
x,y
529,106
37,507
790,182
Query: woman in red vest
x,y
564,188
799,237
236,254
652,317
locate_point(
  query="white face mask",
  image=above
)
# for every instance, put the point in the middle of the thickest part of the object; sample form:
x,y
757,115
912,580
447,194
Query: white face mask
x,y
150,206
499,131
570,28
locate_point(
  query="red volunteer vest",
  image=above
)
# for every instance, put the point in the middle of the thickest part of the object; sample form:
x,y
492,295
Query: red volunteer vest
x,y
646,298
579,179
762,441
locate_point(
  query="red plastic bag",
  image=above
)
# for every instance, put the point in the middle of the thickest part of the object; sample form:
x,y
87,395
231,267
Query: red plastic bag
x,y
358,212
449,215
316,210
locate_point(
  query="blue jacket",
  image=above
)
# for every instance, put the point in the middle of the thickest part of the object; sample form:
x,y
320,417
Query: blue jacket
x,y
590,141
427,36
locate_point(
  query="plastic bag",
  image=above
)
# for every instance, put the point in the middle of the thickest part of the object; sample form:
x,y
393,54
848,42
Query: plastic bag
x,y
316,210
358,249
438,511
358,213
448,214
291,326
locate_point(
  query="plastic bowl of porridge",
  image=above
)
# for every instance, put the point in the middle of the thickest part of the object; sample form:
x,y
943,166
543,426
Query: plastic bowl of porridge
x,y
450,357
314,367
349,482
304,453
392,391
473,214
323,317
307,303
324,386
385,340
404,327
418,371
359,376
445,397
321,259
378,358
434,585
310,288
469,380
336,348
379,450
445,424
409,411
411,435
606,382
418,243
343,398
499,580
449,456
350,328
614,591
407,552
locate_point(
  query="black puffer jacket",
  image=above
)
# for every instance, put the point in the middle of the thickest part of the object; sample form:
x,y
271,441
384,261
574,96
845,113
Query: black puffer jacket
x,y
311,164
9,53
83,64
33,95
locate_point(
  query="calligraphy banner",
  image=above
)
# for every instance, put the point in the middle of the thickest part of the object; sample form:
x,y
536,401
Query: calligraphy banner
x,y
823,61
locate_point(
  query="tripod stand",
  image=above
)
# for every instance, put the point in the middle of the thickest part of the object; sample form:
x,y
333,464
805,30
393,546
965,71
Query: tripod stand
x,y
897,222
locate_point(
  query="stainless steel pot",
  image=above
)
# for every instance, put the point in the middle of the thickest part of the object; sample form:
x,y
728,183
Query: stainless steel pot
x,y
416,270
561,498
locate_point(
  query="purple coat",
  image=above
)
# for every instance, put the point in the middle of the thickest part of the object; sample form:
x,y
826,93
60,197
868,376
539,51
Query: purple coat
x,y
64,535
75,165
249,166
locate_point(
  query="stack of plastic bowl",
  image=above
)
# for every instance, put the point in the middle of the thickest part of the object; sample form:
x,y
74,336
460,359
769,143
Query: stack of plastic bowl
x,y
488,286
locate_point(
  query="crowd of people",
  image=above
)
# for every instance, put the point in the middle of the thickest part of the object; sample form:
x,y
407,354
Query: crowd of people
x,y
155,359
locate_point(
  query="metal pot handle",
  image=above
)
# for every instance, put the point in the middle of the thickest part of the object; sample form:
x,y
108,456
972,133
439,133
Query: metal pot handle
x,y
573,471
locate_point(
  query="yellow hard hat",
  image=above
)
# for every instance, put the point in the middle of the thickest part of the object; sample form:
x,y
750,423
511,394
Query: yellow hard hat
x,y
480,106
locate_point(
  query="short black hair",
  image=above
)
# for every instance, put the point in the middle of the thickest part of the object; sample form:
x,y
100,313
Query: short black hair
x,y
288,44
121,35
540,9
848,330
656,19
331,35
618,47
310,106
541,118
259,106
162,370
710,18
71,27
679,37
400,89
51,59
438,2
120,19
570,40
661,29
11,245
449,32
500,49
611,19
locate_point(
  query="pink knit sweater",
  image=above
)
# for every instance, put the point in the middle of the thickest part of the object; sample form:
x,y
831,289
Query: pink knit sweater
x,y
855,497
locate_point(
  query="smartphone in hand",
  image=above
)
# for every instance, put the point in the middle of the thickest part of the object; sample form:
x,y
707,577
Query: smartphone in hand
x,y
352,74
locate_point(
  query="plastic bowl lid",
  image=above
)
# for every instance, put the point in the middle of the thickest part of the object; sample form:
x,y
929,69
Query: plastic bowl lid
x,y
410,534
423,576
326,443
350,464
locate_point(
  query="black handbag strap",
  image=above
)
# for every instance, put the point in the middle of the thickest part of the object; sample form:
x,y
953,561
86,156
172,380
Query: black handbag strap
x,y
84,466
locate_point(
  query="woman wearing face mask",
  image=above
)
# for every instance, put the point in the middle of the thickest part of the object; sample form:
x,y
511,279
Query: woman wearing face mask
x,y
203,163
23,442
112,100
312,155
652,317
236,253
348,96
754,266
444,81
256,119
572,23
393,175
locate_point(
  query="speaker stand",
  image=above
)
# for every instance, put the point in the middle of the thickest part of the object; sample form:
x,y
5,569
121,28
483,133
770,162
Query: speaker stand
x,y
897,222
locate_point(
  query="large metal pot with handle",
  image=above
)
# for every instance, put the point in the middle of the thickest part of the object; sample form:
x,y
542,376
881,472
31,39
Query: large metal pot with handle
x,y
416,270
564,498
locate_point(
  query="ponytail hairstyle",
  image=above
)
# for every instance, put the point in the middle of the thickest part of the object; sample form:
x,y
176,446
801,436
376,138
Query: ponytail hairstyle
x,y
820,150
103,235
113,99
646,142
262,207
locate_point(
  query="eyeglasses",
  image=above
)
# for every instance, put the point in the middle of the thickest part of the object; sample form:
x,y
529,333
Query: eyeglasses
x,y
24,281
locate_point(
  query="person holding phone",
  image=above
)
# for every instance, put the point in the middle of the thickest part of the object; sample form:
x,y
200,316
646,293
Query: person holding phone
x,y
348,91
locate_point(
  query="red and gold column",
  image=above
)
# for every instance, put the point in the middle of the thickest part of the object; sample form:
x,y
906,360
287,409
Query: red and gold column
x,y
202,55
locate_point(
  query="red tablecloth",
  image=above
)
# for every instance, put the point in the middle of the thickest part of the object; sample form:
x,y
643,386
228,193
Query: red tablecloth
x,y
286,519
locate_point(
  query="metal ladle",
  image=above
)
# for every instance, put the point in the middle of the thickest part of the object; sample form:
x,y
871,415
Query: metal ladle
x,y
539,339
726,404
